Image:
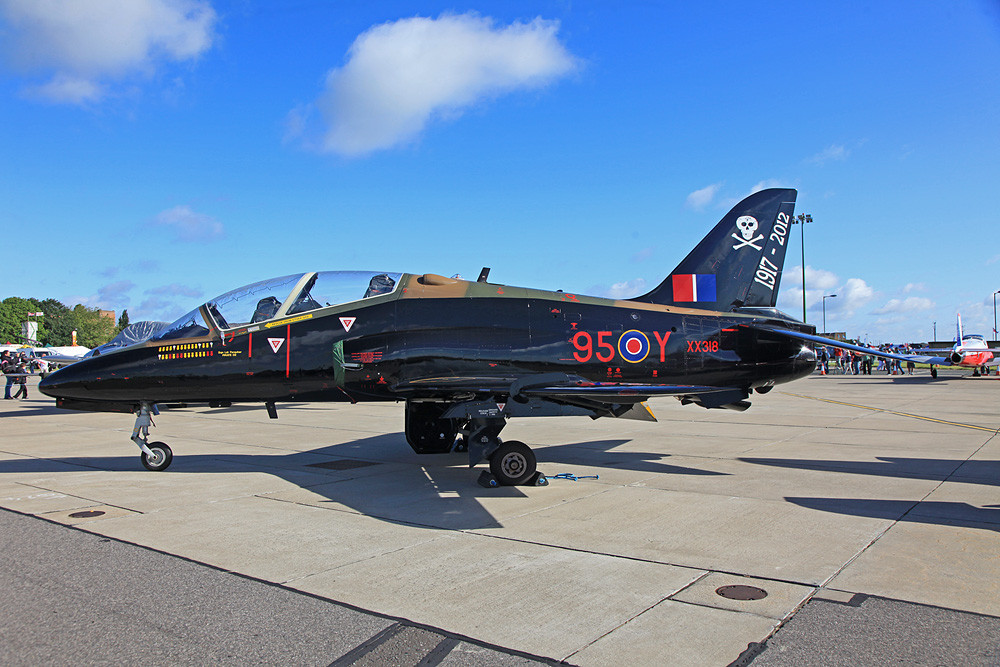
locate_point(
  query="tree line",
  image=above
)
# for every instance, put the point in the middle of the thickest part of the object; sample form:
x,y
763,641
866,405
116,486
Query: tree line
x,y
56,327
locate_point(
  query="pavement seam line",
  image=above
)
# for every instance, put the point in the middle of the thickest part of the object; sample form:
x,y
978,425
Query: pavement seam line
x,y
895,412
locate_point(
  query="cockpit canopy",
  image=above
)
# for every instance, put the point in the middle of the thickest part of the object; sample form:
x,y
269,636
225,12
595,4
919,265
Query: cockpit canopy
x,y
281,297
973,337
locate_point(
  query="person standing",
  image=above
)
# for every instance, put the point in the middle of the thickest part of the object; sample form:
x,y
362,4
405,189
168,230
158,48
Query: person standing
x,y
7,366
21,380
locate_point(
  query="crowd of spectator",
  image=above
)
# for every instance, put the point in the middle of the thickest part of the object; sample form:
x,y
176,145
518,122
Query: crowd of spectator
x,y
857,363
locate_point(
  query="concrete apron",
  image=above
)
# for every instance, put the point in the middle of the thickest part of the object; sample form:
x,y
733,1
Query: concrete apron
x,y
877,484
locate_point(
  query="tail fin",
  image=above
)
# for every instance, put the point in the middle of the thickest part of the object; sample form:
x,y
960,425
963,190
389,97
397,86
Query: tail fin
x,y
739,262
958,327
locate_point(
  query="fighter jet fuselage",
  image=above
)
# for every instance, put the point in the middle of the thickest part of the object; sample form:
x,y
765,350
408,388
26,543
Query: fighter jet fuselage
x,y
434,336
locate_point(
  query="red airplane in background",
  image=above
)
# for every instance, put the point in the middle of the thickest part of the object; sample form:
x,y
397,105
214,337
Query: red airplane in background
x,y
970,350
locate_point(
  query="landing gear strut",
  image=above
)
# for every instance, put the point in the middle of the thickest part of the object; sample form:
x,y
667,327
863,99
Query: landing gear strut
x,y
473,426
156,456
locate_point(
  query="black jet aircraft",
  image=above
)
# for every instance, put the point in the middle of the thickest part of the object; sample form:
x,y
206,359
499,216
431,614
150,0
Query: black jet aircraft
x,y
466,356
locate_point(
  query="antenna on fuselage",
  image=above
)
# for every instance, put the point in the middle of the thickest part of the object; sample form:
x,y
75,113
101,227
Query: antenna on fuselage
x,y
483,274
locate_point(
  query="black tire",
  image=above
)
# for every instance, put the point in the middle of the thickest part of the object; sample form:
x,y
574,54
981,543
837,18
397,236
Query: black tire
x,y
933,372
162,456
513,463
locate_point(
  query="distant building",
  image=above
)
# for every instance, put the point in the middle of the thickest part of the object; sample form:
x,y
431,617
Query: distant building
x,y
110,314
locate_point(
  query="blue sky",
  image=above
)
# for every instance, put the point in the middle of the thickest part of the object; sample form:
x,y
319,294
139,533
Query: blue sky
x,y
155,153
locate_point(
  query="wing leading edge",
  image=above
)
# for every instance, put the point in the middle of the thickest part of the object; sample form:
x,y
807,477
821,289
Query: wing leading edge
x,y
915,358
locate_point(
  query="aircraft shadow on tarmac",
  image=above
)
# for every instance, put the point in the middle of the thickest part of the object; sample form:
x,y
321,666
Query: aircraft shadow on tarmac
x,y
912,379
378,476
972,472
38,410
933,512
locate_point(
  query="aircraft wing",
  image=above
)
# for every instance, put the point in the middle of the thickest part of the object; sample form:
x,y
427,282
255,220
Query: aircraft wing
x,y
563,388
60,359
819,340
609,392
928,359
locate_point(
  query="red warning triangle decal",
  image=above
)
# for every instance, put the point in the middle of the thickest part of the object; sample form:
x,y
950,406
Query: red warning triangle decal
x,y
347,322
275,343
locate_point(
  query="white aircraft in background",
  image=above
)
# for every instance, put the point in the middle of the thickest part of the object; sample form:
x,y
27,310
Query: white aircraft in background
x,y
57,356
969,350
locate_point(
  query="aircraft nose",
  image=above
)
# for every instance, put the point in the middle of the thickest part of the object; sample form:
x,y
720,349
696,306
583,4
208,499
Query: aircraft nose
x,y
66,382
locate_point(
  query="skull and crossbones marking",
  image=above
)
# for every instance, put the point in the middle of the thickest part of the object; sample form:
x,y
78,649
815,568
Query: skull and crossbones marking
x,y
747,224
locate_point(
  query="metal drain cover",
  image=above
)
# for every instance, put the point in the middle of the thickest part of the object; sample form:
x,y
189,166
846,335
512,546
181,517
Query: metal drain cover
x,y
740,592
88,514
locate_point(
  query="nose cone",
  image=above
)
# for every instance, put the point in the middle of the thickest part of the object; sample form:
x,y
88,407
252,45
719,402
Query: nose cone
x,y
58,383
78,380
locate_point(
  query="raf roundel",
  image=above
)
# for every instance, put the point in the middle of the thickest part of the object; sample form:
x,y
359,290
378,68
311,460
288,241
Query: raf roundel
x,y
633,346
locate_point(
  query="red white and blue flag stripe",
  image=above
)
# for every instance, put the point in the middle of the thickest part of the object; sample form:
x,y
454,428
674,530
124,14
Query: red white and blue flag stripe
x,y
694,287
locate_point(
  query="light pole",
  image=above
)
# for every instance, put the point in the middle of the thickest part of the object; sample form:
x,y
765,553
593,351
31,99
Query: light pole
x,y
995,315
828,296
802,219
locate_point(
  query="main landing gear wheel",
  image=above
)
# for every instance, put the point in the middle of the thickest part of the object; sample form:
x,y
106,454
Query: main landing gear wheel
x,y
160,459
933,372
513,463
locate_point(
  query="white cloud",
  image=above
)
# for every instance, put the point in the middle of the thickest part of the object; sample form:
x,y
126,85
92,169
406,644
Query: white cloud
x,y
401,75
175,289
855,294
764,185
914,287
83,44
66,89
189,225
729,202
158,308
908,305
831,153
166,302
851,295
623,290
818,279
115,293
699,199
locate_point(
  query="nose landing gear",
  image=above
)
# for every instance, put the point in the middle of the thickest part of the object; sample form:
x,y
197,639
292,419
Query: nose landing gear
x,y
156,456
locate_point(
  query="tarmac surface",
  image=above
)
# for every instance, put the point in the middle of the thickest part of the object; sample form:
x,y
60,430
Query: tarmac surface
x,y
867,508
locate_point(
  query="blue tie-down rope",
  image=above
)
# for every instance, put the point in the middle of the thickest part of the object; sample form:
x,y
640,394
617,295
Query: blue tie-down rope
x,y
569,475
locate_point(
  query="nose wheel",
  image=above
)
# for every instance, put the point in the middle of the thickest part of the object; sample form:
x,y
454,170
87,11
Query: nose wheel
x,y
159,457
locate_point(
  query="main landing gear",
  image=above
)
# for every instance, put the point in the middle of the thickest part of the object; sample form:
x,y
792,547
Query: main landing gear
x,y
156,456
473,426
